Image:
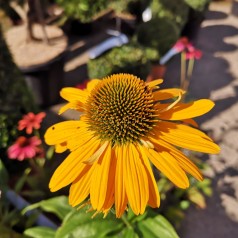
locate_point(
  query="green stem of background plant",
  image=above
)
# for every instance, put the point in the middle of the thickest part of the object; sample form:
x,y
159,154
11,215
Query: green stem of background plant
x,y
183,69
124,219
189,74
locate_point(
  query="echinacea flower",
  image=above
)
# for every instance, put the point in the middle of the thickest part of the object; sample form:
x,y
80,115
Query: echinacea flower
x,y
24,148
31,121
125,126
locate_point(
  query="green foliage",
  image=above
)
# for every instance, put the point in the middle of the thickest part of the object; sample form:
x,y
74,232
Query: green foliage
x,y
175,11
128,6
83,10
159,34
129,58
79,223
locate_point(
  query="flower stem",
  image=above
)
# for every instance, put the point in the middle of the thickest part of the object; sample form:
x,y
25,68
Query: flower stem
x,y
126,222
189,74
183,70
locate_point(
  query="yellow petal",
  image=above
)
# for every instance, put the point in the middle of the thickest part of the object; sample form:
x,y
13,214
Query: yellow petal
x,y
92,84
154,197
120,191
188,110
190,122
166,163
165,94
182,160
186,137
79,190
68,134
97,154
154,83
62,131
71,167
136,180
60,148
110,196
74,94
74,105
100,179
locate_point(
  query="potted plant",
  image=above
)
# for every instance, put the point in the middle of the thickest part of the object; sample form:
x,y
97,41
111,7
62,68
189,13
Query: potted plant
x,y
175,11
80,14
38,50
129,58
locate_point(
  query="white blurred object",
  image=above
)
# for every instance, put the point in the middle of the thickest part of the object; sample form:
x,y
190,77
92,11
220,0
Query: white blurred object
x,y
147,14
116,40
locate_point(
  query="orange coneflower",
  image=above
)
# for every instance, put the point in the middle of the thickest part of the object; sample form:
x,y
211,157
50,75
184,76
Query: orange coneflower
x,y
126,125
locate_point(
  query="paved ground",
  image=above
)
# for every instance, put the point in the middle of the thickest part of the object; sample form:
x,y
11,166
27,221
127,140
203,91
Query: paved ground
x,y
216,77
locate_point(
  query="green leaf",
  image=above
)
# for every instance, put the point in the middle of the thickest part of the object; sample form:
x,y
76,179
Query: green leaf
x,y
81,224
157,227
40,232
129,233
196,197
57,205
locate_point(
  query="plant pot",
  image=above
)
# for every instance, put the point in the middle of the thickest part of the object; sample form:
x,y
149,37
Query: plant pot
x,y
157,71
41,63
46,80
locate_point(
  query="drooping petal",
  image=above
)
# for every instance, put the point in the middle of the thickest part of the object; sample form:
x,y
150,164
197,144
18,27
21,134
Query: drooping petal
x,y
69,170
186,137
97,154
187,110
182,160
166,163
100,179
165,94
154,197
120,190
80,188
110,196
136,180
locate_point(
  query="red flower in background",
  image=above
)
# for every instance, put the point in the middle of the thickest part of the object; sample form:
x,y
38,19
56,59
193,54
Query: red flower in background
x,y
192,52
31,121
181,44
24,148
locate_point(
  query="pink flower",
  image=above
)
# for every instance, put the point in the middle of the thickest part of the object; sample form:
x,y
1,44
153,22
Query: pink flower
x,y
24,148
181,44
31,121
192,52
184,45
